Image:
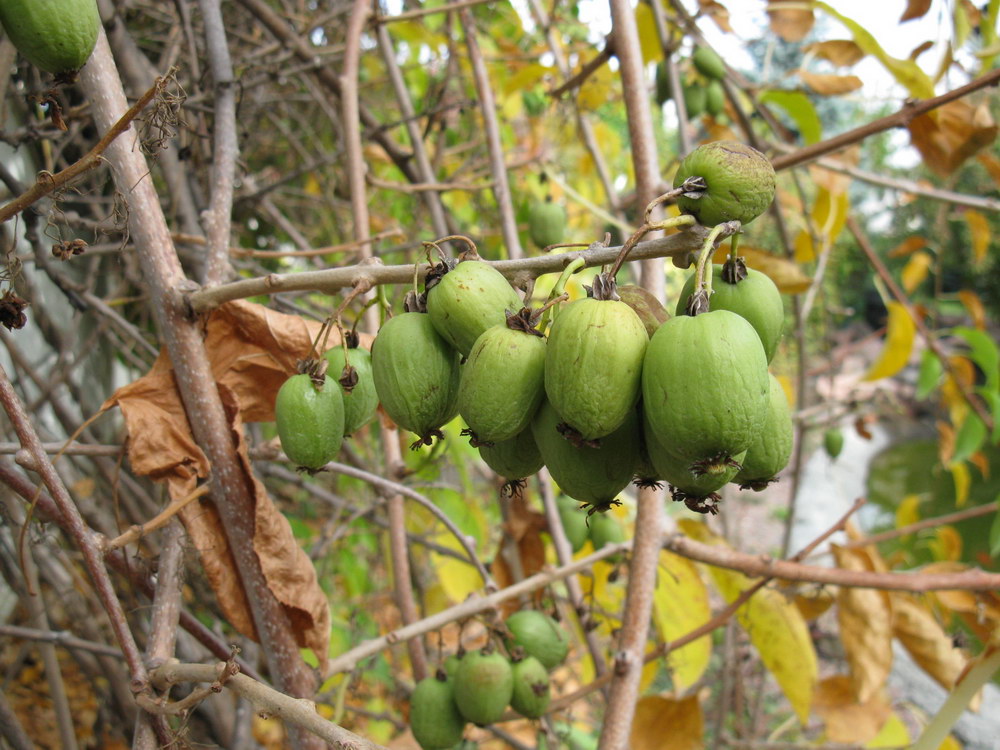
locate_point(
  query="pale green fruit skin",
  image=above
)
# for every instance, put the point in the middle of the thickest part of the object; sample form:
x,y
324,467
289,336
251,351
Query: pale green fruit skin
x,y
54,35
503,383
705,385
574,522
546,223
695,99
531,696
604,530
715,99
540,636
593,364
469,299
361,403
483,687
756,298
772,445
310,422
664,90
516,458
708,63
590,475
435,720
833,442
677,471
740,182
416,373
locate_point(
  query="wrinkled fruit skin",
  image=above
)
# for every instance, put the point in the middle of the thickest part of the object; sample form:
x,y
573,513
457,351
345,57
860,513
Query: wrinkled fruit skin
x,y
677,471
516,458
593,365
416,373
546,223
54,35
434,717
574,522
361,403
540,636
708,63
755,298
772,445
833,442
604,530
531,694
502,384
310,422
705,385
469,299
484,685
650,310
740,182
591,475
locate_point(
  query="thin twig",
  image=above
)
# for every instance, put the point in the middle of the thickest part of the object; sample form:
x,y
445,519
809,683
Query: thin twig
x,y
137,531
927,523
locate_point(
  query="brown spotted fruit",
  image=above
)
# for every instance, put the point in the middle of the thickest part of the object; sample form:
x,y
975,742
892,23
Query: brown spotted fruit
x,y
416,374
739,183
469,299
593,365
531,695
435,720
705,388
772,445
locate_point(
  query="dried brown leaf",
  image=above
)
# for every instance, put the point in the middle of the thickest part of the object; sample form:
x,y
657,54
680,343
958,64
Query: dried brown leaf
x,y
826,84
920,49
791,24
865,618
908,246
848,720
664,722
524,526
251,350
950,134
717,12
915,9
930,646
841,52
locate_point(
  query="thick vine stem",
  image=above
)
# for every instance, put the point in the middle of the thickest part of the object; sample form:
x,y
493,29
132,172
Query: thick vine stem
x,y
332,280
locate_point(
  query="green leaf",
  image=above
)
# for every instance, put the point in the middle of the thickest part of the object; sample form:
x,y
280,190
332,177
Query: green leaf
x,y
970,437
984,353
993,399
929,375
800,109
995,532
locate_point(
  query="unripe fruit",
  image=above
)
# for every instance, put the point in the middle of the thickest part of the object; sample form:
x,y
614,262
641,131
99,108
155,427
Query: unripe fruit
x,y
546,223
54,35
755,298
604,530
502,383
540,636
705,387
664,90
833,442
469,299
310,421
593,364
708,63
772,445
593,476
434,717
531,694
695,99
484,684
513,459
361,402
715,98
574,522
739,179
416,374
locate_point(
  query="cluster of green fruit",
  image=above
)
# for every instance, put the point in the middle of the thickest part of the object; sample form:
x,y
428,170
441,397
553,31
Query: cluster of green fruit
x,y
478,686
709,412
54,35
701,87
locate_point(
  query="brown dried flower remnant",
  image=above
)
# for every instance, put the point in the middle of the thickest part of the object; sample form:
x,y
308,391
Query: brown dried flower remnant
x,y
12,311
68,248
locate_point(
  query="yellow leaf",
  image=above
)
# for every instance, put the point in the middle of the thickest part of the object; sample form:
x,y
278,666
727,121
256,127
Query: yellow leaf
x,y
893,734
827,84
788,387
915,270
930,646
775,626
829,213
975,308
865,619
846,719
950,743
649,40
960,476
908,246
663,722
950,134
898,344
979,228
785,274
525,77
813,602
458,578
946,544
908,511
680,604
649,672
841,52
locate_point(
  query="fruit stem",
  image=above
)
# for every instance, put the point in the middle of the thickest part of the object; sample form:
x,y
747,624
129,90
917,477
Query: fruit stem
x,y
558,290
703,270
734,245
683,220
